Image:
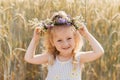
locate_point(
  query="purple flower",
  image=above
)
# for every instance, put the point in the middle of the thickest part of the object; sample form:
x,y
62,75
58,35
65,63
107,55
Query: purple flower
x,y
61,21
68,24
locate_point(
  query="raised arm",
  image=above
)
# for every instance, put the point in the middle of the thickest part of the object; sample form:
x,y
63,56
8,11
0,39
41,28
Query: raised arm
x,y
97,48
30,53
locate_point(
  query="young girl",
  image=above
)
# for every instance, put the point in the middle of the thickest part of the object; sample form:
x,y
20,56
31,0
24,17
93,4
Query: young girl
x,y
63,41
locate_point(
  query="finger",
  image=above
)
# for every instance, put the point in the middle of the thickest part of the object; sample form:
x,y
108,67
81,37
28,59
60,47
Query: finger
x,y
81,29
38,30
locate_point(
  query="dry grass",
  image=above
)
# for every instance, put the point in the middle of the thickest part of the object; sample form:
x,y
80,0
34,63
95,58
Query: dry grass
x,y
103,21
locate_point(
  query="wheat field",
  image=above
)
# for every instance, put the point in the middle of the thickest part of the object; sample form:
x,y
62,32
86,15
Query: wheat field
x,y
103,21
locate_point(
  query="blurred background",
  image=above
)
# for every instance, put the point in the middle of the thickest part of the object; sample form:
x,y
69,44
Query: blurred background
x,y
103,21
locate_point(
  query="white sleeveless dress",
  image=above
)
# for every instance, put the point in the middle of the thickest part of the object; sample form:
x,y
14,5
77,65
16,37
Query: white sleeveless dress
x,y
64,70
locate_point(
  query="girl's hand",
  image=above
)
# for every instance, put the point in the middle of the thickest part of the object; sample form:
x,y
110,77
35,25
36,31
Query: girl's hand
x,y
36,34
83,30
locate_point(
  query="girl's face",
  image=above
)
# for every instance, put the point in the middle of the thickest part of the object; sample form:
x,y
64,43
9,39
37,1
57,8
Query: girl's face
x,y
63,40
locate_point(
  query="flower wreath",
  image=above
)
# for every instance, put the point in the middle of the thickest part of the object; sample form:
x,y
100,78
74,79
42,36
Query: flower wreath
x,y
57,21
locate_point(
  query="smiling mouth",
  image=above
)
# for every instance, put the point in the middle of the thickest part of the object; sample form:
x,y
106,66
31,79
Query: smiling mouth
x,y
66,48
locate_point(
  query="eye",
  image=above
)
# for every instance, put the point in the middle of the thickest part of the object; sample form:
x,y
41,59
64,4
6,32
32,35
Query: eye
x,y
69,38
59,40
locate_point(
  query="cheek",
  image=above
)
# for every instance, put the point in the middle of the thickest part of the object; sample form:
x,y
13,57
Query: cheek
x,y
57,44
73,42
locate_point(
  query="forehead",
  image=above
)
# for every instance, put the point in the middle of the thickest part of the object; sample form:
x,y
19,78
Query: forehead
x,y
62,31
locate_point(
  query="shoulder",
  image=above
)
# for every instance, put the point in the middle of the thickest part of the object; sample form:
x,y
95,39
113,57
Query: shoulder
x,y
81,55
78,54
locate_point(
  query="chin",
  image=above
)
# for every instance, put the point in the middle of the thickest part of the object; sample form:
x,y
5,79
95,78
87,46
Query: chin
x,y
67,51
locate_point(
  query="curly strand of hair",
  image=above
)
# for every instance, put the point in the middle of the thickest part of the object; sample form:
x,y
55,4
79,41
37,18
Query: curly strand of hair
x,y
74,62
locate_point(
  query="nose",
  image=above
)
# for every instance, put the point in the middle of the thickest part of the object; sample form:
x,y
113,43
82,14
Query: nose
x,y
65,44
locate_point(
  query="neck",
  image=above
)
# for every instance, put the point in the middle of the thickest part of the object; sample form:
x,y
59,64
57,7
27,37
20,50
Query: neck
x,y
64,57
